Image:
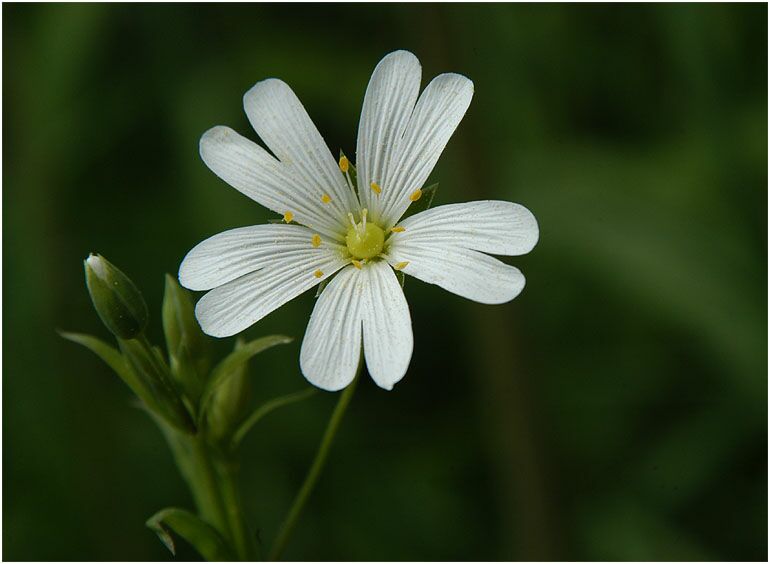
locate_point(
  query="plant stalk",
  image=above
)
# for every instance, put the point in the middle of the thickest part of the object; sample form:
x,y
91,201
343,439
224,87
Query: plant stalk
x,y
315,470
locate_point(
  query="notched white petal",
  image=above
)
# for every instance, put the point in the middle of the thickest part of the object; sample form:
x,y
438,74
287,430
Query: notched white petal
x,y
490,226
280,119
251,170
331,349
238,304
464,272
231,254
388,104
387,326
437,114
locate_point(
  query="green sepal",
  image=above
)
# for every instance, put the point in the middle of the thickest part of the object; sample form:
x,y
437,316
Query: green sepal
x,y
116,298
425,201
401,277
111,356
156,386
188,347
266,408
202,536
351,171
229,401
229,366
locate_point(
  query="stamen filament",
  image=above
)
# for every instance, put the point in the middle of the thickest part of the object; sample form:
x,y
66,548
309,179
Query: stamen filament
x,y
357,263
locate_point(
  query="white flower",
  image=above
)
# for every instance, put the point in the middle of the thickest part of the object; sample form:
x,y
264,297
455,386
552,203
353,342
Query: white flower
x,y
252,271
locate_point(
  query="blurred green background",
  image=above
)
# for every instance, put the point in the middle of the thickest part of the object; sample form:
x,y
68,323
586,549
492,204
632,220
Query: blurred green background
x,y
616,410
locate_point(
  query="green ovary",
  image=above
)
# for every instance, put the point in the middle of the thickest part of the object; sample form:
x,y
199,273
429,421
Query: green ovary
x,y
365,243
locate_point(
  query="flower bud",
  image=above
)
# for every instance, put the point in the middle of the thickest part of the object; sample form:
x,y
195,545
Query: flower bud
x,y
230,402
117,300
188,348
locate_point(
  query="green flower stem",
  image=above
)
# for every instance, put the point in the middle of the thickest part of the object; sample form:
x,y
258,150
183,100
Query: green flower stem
x,y
243,542
315,470
204,484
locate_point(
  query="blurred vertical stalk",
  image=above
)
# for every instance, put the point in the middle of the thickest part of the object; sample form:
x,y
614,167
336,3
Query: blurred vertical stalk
x,y
315,469
212,478
525,530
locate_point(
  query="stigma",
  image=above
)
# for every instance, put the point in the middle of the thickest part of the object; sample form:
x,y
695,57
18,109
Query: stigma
x,y
364,239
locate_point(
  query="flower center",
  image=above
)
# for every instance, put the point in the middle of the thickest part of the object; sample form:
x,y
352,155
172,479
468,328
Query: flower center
x,y
365,239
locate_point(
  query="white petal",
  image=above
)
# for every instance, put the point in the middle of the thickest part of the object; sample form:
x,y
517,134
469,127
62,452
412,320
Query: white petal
x,y
281,121
250,169
464,272
490,226
232,307
438,112
388,340
331,349
388,105
231,254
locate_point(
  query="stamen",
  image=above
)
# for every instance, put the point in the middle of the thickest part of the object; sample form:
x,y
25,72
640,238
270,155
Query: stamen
x,y
326,198
400,265
352,221
316,240
375,188
318,273
414,196
344,163
398,229
364,213
357,264
288,216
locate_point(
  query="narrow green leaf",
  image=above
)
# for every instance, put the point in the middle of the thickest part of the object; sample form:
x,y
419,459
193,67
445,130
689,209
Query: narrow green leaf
x,y
267,408
108,354
425,201
157,387
202,536
228,367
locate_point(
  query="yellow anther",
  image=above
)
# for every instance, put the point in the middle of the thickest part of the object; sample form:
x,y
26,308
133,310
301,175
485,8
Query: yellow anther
x,y
318,273
316,240
357,264
288,216
414,196
326,198
344,163
398,229
375,187
400,265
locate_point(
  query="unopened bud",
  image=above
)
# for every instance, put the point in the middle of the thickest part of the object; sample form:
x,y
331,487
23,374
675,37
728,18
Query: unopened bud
x,y
230,402
117,300
188,347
